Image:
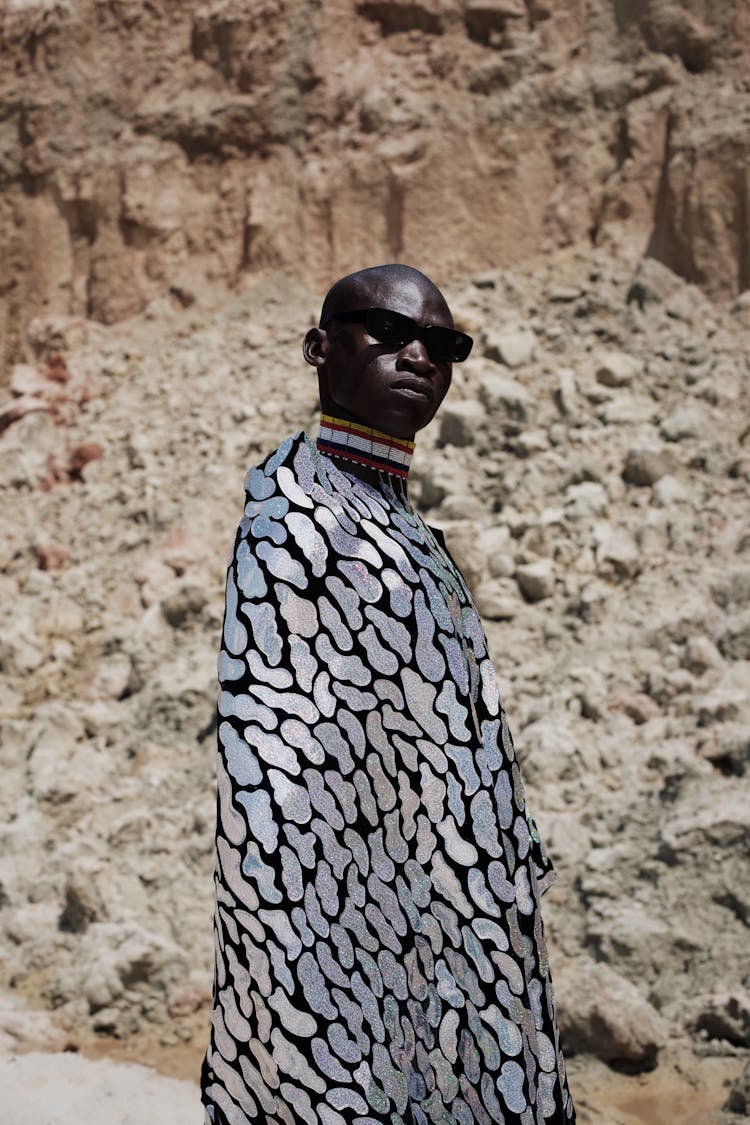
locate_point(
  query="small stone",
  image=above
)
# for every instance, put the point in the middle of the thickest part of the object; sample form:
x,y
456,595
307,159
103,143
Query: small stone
x,y
584,500
495,544
432,490
463,544
536,580
82,456
563,294
627,410
497,601
670,490
726,1015
461,506
733,588
57,369
700,655
616,369
652,283
51,556
499,392
567,392
494,540
734,641
638,706
739,1096
515,347
716,818
113,679
187,998
686,421
17,408
727,747
485,280
23,1028
60,762
530,442
646,466
83,905
460,421
186,603
27,380
672,29
617,552
501,565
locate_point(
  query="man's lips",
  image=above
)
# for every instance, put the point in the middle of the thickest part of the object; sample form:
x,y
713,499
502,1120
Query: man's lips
x,y
413,385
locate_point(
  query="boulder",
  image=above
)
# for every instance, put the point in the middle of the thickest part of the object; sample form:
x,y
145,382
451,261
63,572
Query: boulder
x,y
604,1014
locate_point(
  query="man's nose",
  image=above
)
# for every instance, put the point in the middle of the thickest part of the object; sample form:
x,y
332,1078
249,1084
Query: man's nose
x,y
415,355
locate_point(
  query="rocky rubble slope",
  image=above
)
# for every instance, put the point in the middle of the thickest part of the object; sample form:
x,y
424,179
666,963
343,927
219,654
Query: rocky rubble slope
x,y
590,470
154,148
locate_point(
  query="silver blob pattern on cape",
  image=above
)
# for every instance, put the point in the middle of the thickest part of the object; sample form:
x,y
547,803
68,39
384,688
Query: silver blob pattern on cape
x,y
380,954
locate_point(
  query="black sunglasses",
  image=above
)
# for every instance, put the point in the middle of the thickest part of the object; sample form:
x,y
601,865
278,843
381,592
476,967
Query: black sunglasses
x,y
444,345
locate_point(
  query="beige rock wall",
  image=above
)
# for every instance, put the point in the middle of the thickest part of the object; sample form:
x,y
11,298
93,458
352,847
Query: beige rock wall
x,y
157,147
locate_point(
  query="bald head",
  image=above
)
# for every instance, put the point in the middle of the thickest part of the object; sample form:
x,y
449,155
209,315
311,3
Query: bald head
x,y
388,286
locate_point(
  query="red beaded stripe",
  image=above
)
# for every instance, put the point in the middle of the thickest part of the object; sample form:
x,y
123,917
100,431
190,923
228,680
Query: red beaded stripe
x,y
349,454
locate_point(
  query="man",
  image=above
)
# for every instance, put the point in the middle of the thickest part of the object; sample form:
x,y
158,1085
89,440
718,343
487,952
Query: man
x,y
380,954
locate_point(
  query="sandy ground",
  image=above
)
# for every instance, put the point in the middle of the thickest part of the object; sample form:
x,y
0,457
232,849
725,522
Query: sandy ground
x,y
70,1089
67,1089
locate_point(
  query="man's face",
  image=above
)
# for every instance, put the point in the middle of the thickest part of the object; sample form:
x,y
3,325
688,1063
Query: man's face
x,y
396,391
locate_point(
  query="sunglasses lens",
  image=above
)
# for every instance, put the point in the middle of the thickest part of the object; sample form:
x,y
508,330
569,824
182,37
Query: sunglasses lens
x,y
446,345
462,347
389,327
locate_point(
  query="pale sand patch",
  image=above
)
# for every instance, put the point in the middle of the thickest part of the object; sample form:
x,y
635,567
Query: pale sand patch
x,y
67,1089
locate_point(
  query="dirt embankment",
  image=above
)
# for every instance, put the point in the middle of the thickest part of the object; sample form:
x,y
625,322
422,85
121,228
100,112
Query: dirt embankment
x,y
158,148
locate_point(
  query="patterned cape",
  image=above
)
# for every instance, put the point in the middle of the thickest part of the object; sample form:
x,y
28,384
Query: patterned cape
x,y
380,954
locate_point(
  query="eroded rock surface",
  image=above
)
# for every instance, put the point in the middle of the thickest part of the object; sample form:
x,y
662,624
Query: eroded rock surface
x,y
150,150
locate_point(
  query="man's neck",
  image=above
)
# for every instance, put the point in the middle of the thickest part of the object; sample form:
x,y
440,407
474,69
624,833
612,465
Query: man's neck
x,y
368,453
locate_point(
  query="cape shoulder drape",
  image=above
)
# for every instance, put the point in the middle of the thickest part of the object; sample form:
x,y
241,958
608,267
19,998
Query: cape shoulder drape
x,y
380,954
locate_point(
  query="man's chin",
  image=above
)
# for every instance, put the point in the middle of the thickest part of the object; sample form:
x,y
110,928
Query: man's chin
x,y
404,421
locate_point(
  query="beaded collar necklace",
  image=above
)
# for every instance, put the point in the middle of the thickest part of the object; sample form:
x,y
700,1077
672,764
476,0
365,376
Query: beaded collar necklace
x,y
354,442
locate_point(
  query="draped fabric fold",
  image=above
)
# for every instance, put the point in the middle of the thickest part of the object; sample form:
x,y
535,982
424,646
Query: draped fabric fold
x,y
380,954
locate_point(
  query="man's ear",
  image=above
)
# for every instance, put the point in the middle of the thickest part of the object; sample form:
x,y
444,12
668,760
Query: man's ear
x,y
315,347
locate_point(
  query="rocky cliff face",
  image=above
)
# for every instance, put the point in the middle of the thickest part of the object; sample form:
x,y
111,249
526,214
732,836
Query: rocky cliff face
x,y
590,469
160,147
